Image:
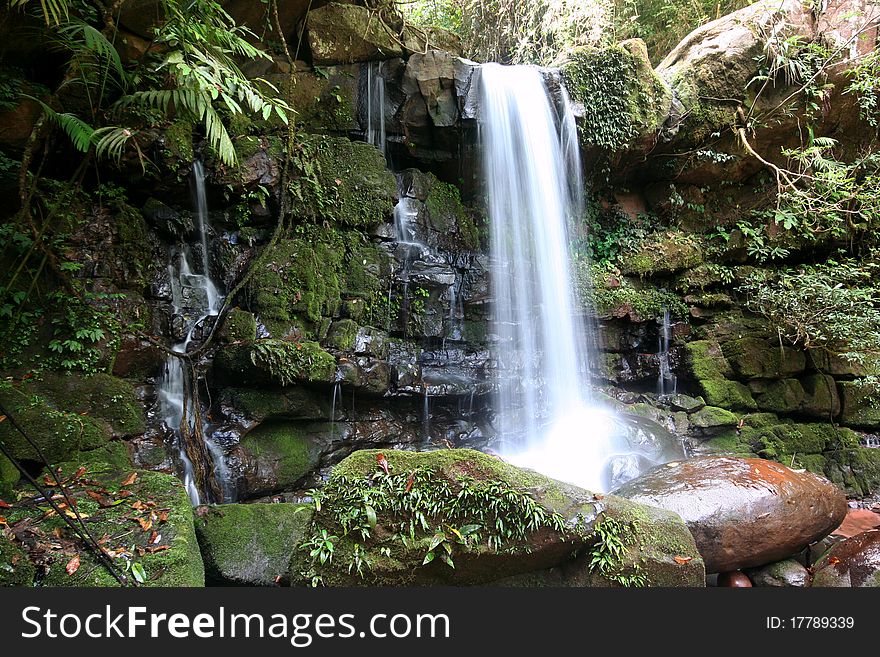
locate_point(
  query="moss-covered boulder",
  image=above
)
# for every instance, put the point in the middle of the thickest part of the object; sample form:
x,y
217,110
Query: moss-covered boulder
x,y
662,256
712,417
624,100
343,334
295,402
251,544
854,563
279,453
860,405
343,33
449,218
9,475
821,398
782,396
488,519
146,517
754,358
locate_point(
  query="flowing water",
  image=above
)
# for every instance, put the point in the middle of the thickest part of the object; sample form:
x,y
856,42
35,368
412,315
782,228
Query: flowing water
x,y
667,382
546,417
375,105
195,299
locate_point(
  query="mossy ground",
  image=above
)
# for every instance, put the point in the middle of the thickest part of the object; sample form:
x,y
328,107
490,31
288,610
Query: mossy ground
x,y
132,499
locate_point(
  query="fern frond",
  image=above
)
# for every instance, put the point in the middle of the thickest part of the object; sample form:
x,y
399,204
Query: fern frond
x,y
79,131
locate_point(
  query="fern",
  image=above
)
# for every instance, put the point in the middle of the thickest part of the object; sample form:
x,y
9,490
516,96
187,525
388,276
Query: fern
x,y
53,10
79,131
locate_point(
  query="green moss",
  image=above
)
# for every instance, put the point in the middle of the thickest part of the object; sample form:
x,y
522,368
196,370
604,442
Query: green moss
x,y
342,181
729,443
710,368
290,452
180,565
711,416
756,358
366,269
860,407
179,140
9,475
240,326
252,543
15,568
58,434
661,255
343,334
782,396
449,217
100,396
132,251
627,300
298,280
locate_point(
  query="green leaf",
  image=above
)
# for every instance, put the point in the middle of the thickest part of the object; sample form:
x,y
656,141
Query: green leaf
x,y
137,570
371,515
428,558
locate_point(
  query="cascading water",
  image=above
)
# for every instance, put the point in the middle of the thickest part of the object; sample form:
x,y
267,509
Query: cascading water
x,y
545,416
666,380
375,105
195,298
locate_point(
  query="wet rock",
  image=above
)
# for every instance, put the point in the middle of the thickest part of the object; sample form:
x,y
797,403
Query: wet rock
x,y
742,512
782,573
859,410
432,75
734,579
138,359
16,124
172,223
854,562
685,403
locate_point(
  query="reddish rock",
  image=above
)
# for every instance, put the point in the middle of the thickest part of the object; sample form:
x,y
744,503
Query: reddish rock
x,y
854,562
742,512
735,579
858,521
16,124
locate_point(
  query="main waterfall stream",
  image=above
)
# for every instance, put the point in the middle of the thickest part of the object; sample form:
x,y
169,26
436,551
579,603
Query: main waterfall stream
x,y
546,416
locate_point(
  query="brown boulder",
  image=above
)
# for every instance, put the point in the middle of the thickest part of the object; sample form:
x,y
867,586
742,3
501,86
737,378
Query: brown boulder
x,y
742,512
854,562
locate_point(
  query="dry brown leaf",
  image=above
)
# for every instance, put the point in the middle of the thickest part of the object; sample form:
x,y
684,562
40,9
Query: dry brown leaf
x,y
3,521
144,523
130,479
57,532
158,548
682,560
163,516
138,505
5,505
72,565
124,493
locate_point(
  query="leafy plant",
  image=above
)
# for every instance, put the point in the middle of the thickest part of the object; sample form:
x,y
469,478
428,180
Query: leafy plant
x,y
612,538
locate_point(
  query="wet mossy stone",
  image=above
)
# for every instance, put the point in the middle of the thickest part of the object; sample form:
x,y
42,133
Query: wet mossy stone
x,y
449,217
15,568
662,256
282,453
782,396
261,403
343,334
821,399
342,181
712,417
251,544
344,33
178,565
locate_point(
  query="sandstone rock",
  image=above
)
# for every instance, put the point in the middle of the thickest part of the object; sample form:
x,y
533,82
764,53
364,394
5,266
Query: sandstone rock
x,y
858,408
781,573
742,512
433,76
17,124
854,562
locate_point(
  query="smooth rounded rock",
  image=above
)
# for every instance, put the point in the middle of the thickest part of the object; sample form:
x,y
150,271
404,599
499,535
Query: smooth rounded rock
x,y
788,573
854,562
742,512
735,579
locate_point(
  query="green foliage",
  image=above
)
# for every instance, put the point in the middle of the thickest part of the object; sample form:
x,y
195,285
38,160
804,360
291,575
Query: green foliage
x,y
612,540
420,509
866,85
289,362
833,306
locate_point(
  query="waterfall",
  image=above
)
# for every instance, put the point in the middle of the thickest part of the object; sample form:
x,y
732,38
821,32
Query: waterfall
x,y
666,380
375,105
546,418
195,298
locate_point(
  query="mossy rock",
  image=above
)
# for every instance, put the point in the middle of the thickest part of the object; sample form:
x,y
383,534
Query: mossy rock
x,y
712,417
178,565
438,478
342,181
251,544
279,454
449,217
782,396
343,334
710,368
57,433
15,568
366,269
342,34
753,358
276,362
239,326
101,396
297,282
860,405
821,399
856,470
661,256
625,101
261,403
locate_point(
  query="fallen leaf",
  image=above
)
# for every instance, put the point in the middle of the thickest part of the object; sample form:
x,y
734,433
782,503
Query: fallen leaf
x,y
382,461
833,561
5,505
57,532
124,493
130,479
154,537
2,418
163,516
140,506
682,560
202,511
102,501
103,539
409,482
72,565
145,523
3,521
158,548
79,472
